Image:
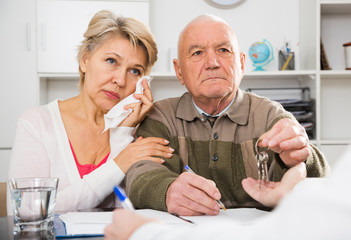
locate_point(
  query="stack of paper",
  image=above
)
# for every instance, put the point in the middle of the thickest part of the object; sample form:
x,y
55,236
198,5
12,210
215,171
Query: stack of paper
x,y
86,223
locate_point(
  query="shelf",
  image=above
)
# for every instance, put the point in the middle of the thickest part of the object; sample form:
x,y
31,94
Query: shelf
x,y
170,76
163,76
59,75
74,76
336,7
335,73
313,141
258,74
336,142
280,73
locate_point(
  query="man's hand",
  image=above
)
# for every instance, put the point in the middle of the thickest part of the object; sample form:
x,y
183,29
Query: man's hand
x,y
191,195
124,223
289,139
270,193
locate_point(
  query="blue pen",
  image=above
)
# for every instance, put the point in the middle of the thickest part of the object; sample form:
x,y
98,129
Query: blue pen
x,y
125,202
220,204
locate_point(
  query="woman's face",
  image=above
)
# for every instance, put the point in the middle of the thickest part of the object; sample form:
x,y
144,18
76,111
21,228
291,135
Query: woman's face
x,y
111,72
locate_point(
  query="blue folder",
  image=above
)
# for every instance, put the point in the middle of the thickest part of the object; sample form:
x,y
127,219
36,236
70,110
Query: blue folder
x,y
60,230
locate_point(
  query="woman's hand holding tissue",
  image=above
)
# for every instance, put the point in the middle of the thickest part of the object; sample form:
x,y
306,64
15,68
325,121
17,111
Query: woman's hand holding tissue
x,y
151,148
139,109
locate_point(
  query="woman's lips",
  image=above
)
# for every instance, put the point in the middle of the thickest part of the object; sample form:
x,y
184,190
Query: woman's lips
x,y
111,95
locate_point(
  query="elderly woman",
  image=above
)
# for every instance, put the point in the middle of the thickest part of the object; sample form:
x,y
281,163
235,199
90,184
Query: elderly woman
x,y
65,139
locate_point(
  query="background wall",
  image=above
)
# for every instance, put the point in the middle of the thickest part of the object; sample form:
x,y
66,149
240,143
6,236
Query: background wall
x,y
275,20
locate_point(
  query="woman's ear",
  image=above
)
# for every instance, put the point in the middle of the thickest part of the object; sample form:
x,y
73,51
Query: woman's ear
x,y
83,63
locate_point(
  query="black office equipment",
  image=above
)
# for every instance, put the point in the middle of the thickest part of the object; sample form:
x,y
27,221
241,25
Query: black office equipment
x,y
298,102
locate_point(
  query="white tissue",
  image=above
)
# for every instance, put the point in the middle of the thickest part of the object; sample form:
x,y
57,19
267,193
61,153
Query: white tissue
x,y
117,114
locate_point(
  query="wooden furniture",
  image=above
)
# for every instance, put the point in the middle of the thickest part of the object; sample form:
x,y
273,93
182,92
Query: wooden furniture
x,y
3,205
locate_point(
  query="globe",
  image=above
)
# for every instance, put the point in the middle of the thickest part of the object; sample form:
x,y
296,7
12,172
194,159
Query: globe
x,y
261,53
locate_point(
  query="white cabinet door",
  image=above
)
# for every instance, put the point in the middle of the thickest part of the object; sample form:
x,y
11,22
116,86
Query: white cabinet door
x,y
17,64
61,25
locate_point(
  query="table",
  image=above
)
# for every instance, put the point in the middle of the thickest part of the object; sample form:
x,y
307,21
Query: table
x,y
6,229
6,232
245,215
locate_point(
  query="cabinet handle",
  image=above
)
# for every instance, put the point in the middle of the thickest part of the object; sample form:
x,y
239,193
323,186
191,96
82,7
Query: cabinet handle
x,y
43,37
28,37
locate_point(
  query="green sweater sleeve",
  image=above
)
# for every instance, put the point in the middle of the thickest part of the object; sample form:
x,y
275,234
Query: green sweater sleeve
x,y
146,181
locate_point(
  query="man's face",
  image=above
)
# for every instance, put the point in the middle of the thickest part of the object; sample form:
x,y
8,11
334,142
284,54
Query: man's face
x,y
209,64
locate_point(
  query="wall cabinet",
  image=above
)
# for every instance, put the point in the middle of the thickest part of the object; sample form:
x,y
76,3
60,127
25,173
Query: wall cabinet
x,y
19,86
59,36
61,25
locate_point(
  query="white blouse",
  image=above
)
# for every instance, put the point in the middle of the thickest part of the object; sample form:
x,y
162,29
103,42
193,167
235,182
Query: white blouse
x,y
42,149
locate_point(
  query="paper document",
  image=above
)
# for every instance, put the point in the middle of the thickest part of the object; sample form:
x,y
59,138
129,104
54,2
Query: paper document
x,y
93,223
242,215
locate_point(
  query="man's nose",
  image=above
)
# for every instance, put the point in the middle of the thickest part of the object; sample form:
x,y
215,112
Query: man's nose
x,y
212,61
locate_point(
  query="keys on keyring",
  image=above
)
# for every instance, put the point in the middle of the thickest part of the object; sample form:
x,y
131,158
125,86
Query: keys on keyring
x,y
262,159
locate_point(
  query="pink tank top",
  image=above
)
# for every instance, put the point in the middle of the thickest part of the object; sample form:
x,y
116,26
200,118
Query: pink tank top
x,y
86,168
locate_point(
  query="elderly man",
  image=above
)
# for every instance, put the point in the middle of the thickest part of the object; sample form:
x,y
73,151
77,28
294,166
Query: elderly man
x,y
213,128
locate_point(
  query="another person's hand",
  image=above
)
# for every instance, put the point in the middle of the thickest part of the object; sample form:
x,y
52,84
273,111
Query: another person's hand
x,y
124,223
139,109
151,148
289,139
269,194
191,194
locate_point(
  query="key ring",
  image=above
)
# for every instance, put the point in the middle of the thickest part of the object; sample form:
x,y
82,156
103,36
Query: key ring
x,y
262,158
256,148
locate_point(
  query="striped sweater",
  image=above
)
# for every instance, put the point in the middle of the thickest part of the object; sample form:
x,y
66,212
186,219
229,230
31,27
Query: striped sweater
x,y
224,153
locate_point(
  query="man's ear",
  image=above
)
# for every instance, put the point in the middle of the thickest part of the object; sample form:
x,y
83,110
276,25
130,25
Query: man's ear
x,y
178,71
242,61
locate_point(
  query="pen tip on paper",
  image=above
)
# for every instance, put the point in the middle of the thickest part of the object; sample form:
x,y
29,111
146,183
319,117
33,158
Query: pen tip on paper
x,y
221,205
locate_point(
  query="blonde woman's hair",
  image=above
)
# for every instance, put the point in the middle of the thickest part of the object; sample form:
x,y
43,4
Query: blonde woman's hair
x,y
104,25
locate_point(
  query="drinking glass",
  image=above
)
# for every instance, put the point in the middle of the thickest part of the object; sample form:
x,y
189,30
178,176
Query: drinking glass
x,y
33,203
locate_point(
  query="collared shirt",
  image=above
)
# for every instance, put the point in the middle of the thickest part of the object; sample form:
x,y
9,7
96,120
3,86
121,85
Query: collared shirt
x,y
209,115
